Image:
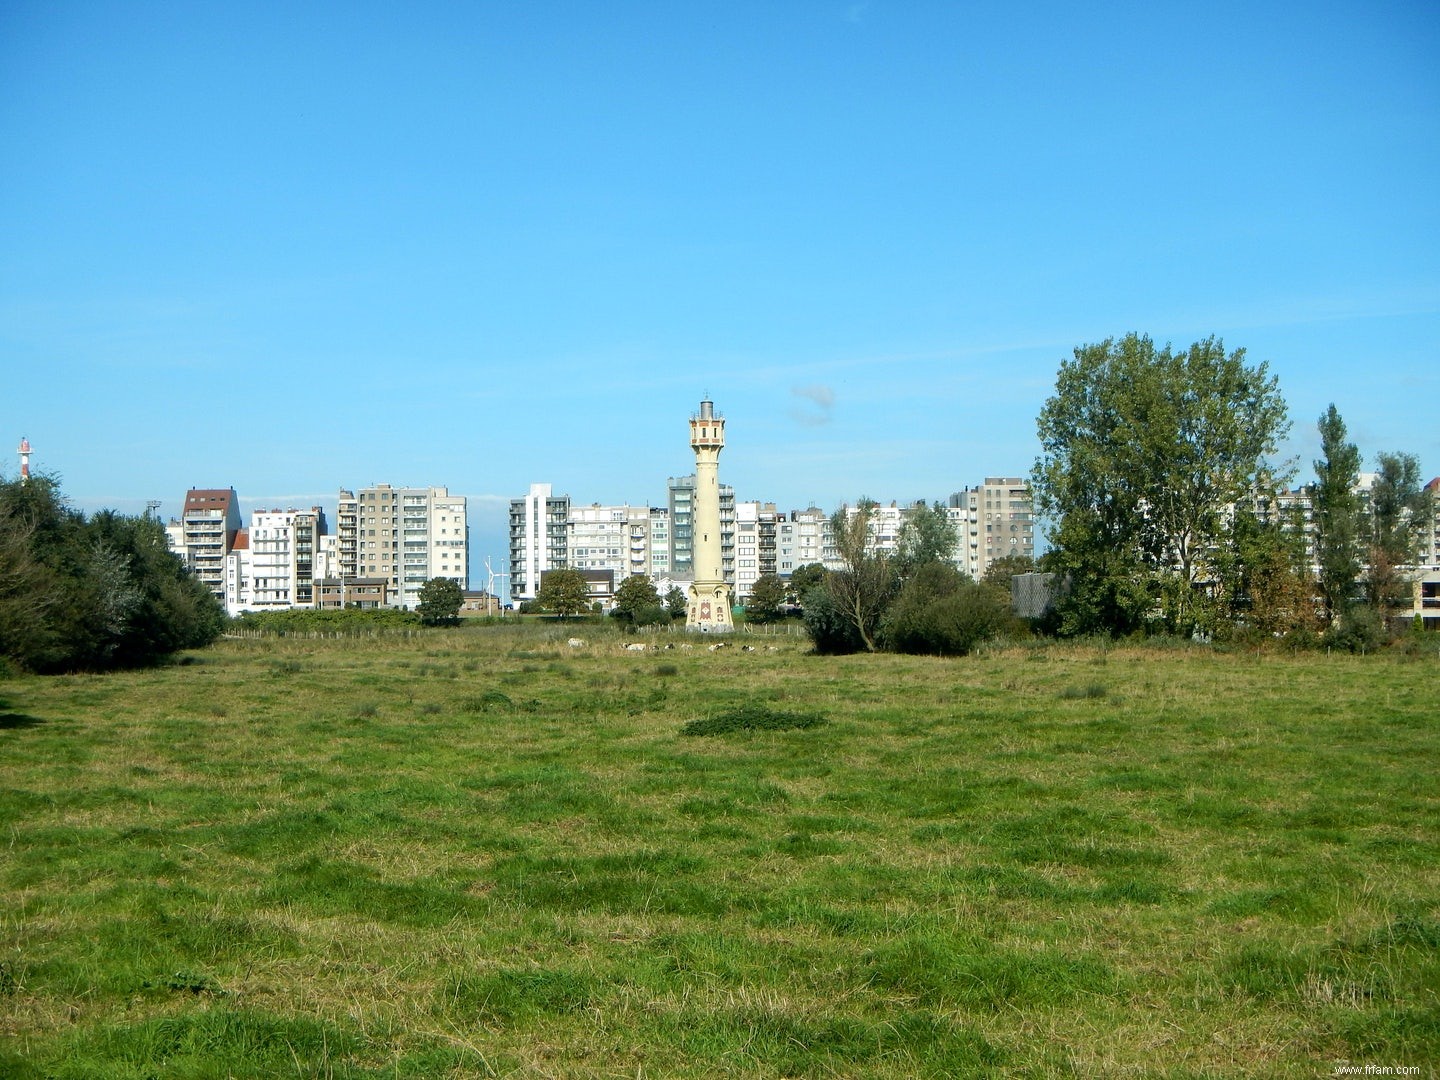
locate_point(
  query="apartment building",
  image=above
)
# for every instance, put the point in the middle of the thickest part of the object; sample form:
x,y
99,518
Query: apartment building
x,y
620,538
538,539
681,505
272,564
209,522
404,536
884,529
801,539
758,530
1430,540
434,540
347,536
994,520
659,543
238,575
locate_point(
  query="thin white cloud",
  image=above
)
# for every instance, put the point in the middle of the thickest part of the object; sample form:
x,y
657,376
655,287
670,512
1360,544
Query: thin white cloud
x,y
815,407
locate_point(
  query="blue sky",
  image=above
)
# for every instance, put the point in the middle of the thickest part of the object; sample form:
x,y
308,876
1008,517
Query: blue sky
x,y
294,247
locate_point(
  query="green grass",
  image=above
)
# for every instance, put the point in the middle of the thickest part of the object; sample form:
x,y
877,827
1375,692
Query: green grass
x,y
480,852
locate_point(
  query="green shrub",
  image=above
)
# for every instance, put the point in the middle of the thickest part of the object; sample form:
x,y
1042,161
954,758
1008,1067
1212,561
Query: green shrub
x,y
752,718
1359,631
941,612
830,632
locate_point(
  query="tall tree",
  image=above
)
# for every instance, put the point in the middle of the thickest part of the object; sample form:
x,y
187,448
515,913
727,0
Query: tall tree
x,y
1400,509
864,587
563,592
675,602
1336,502
1144,452
928,535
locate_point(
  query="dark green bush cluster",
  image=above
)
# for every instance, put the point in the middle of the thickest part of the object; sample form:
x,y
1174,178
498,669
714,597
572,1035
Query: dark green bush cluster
x,y
752,718
92,594
830,631
936,611
941,612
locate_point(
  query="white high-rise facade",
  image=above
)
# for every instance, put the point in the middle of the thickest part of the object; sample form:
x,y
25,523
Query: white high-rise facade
x,y
272,565
434,541
538,539
621,539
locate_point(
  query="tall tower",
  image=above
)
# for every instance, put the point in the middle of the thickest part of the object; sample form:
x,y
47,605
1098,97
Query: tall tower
x,y
709,608
24,453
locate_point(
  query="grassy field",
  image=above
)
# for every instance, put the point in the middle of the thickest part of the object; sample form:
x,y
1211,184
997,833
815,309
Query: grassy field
x,y
482,852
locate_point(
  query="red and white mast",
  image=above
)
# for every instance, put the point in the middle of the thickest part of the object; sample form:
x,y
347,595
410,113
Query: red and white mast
x,y
24,459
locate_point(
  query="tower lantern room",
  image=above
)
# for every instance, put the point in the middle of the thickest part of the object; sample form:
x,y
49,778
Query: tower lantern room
x,y
707,430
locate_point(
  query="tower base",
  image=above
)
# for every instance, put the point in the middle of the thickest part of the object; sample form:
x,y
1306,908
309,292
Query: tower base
x,y
709,609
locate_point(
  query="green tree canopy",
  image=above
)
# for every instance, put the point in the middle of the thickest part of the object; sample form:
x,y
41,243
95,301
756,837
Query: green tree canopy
x,y
928,535
767,599
998,574
941,612
80,594
804,578
636,593
1144,450
563,592
1400,509
675,602
440,601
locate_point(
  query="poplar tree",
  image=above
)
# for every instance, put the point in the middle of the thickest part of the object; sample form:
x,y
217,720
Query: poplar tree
x,y
1336,502
1400,508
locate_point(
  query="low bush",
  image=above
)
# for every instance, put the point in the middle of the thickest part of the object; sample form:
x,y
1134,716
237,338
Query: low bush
x,y
752,718
830,632
941,612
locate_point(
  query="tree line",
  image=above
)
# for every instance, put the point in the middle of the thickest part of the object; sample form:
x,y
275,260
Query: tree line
x,y
1166,513
1164,504
92,593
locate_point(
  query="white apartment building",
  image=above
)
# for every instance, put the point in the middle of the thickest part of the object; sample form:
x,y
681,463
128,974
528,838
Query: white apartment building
x,y
434,539
538,539
238,575
621,539
747,546
885,525
802,541
659,543
272,564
